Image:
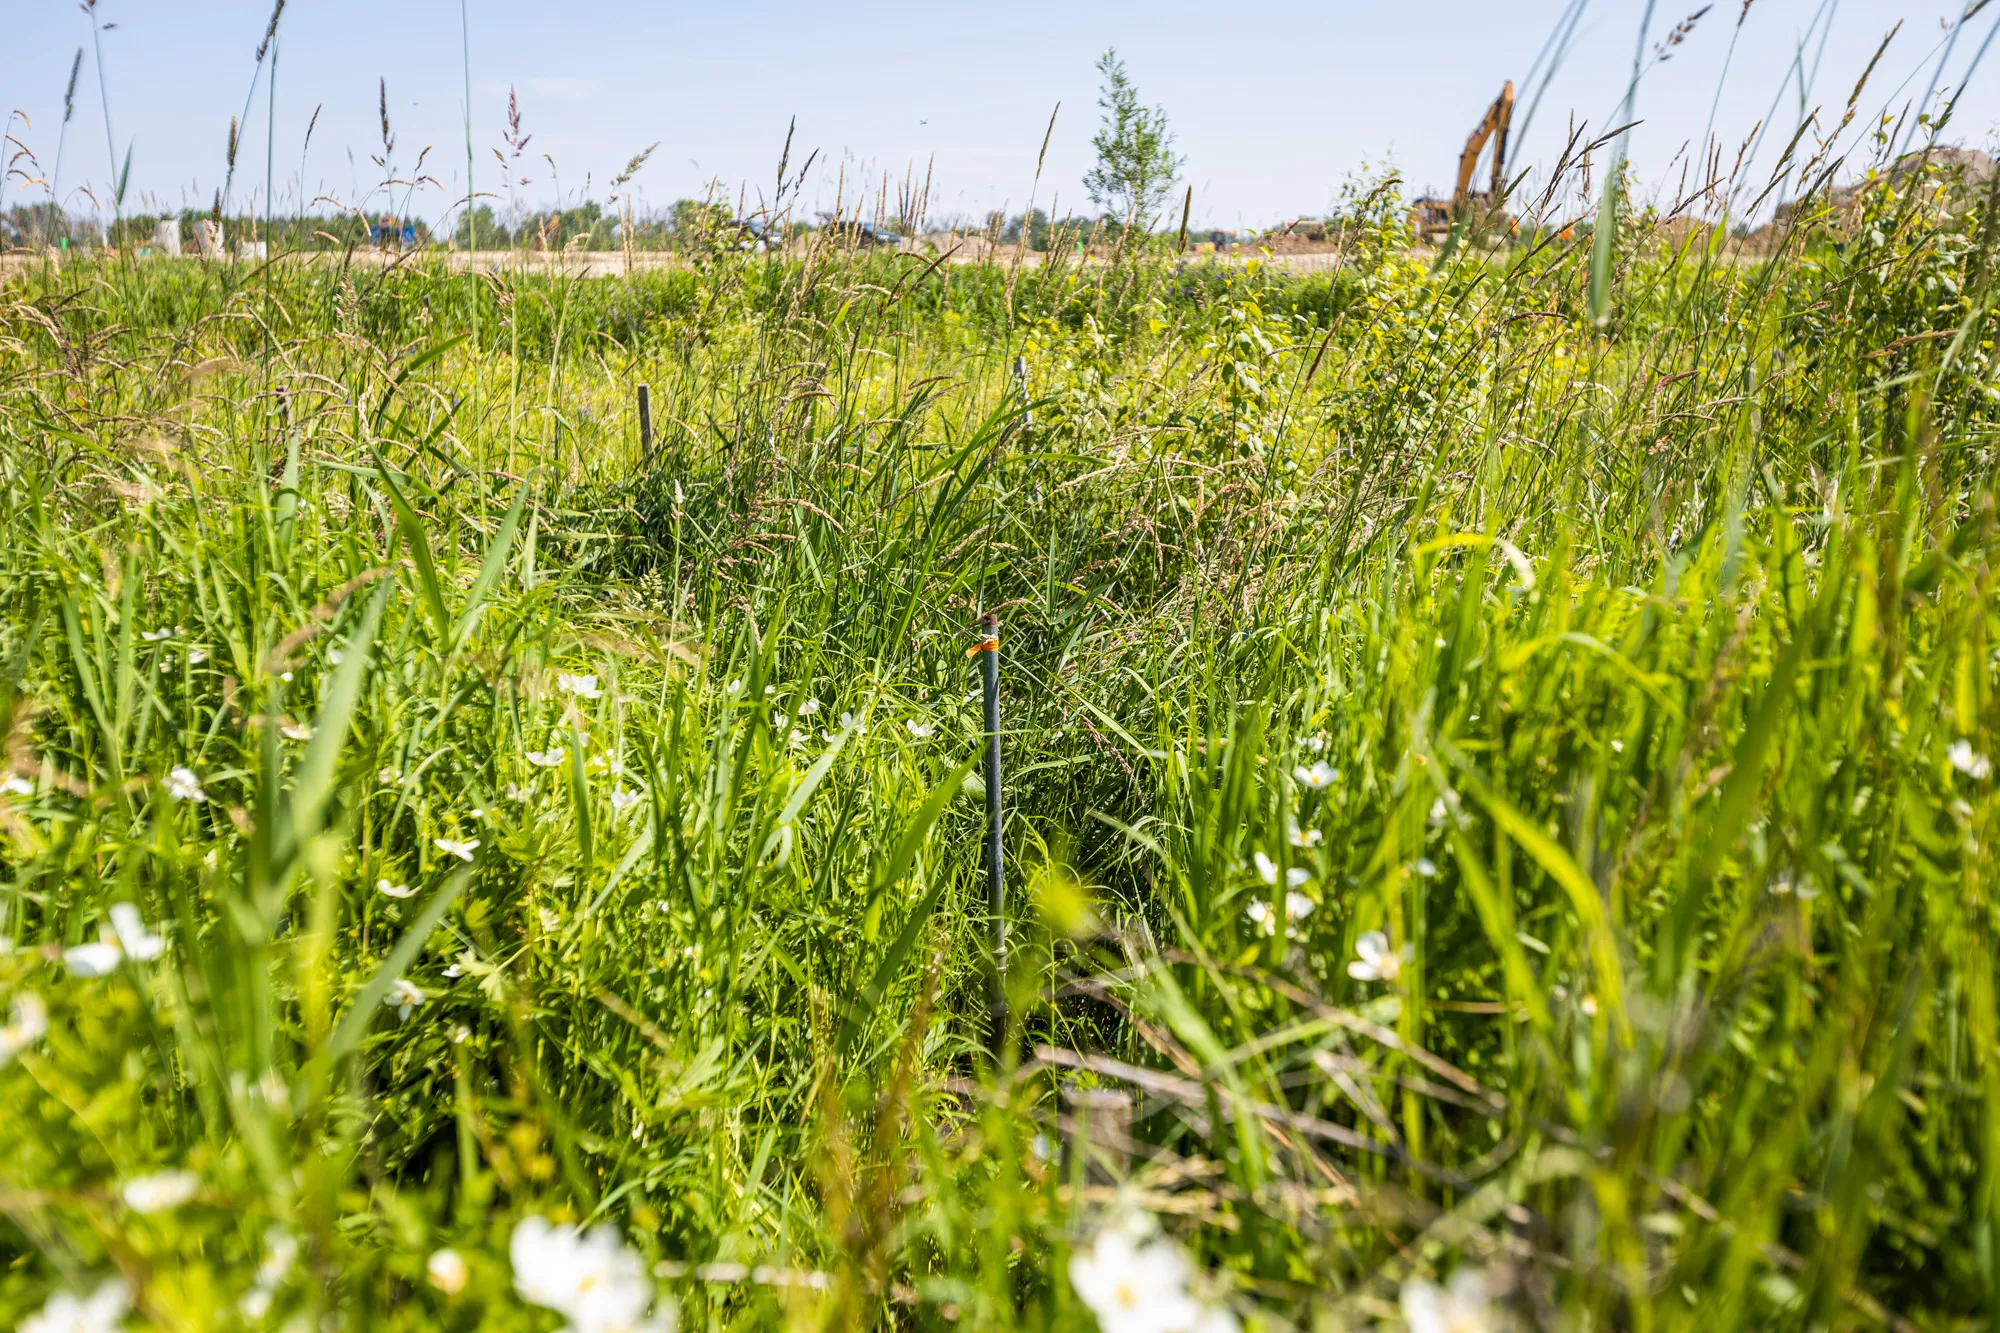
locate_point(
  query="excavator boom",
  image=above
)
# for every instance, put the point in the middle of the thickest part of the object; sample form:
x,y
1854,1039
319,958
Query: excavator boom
x,y
1432,219
1493,125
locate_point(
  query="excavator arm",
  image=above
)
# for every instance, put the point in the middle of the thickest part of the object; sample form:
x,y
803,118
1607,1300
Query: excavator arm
x,y
1492,126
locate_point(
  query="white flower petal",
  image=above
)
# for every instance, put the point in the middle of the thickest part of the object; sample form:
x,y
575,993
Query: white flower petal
x,y
100,1312
160,1192
447,1272
133,936
93,960
583,687
1968,761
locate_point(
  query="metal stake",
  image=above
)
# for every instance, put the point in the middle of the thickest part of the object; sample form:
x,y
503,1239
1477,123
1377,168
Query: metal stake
x,y
645,424
996,887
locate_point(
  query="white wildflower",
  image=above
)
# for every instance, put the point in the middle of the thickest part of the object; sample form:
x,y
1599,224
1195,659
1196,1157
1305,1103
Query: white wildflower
x,y
1314,744
516,793
161,1192
93,960
335,656
183,785
447,1272
404,995
1464,1306
1376,961
1319,777
1297,908
795,741
196,656
1311,837
100,1312
134,938
28,1024
583,687
1426,867
1969,762
733,687
588,1277
808,708
388,890
281,1251
850,720
1267,870
453,847
295,731
156,635
1139,1284
546,758
622,800
16,785
923,731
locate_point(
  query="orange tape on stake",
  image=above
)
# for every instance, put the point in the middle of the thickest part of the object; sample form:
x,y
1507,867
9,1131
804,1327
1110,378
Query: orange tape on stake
x,y
983,646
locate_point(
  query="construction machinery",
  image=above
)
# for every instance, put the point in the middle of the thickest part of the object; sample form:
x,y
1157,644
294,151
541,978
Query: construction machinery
x,y
1432,219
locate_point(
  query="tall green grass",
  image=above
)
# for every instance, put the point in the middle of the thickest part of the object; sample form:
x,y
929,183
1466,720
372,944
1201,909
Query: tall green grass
x,y
1635,684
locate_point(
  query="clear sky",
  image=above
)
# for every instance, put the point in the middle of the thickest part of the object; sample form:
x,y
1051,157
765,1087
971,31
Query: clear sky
x,y
1273,103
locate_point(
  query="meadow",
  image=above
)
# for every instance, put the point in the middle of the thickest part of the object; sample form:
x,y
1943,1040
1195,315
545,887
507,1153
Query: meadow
x,y
1497,803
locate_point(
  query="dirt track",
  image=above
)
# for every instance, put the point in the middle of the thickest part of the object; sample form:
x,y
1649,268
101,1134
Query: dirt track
x,y
614,263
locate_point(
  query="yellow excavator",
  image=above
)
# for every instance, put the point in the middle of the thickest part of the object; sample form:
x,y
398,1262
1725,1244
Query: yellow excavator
x,y
1431,218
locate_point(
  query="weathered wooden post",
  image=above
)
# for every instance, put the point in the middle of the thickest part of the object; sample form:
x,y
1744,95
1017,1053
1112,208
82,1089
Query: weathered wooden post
x,y
1100,1137
996,884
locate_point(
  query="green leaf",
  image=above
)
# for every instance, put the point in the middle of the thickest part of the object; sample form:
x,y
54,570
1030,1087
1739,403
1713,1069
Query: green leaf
x,y
312,785
1582,894
490,569
412,528
579,791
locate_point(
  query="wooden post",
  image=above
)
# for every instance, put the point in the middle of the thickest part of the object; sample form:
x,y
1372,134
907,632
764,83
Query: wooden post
x,y
645,425
996,886
1100,1119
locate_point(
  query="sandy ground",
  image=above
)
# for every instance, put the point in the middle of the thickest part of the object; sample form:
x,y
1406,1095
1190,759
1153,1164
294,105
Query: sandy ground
x,y
613,263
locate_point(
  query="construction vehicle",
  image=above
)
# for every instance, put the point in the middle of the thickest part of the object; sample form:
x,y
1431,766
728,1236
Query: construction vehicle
x,y
1431,218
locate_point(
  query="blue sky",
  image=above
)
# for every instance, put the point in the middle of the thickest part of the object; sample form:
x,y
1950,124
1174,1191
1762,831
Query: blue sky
x,y
1274,104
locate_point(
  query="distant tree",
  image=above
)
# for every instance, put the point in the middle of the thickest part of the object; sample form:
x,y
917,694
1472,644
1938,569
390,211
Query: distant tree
x,y
693,217
1136,166
490,232
1035,225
